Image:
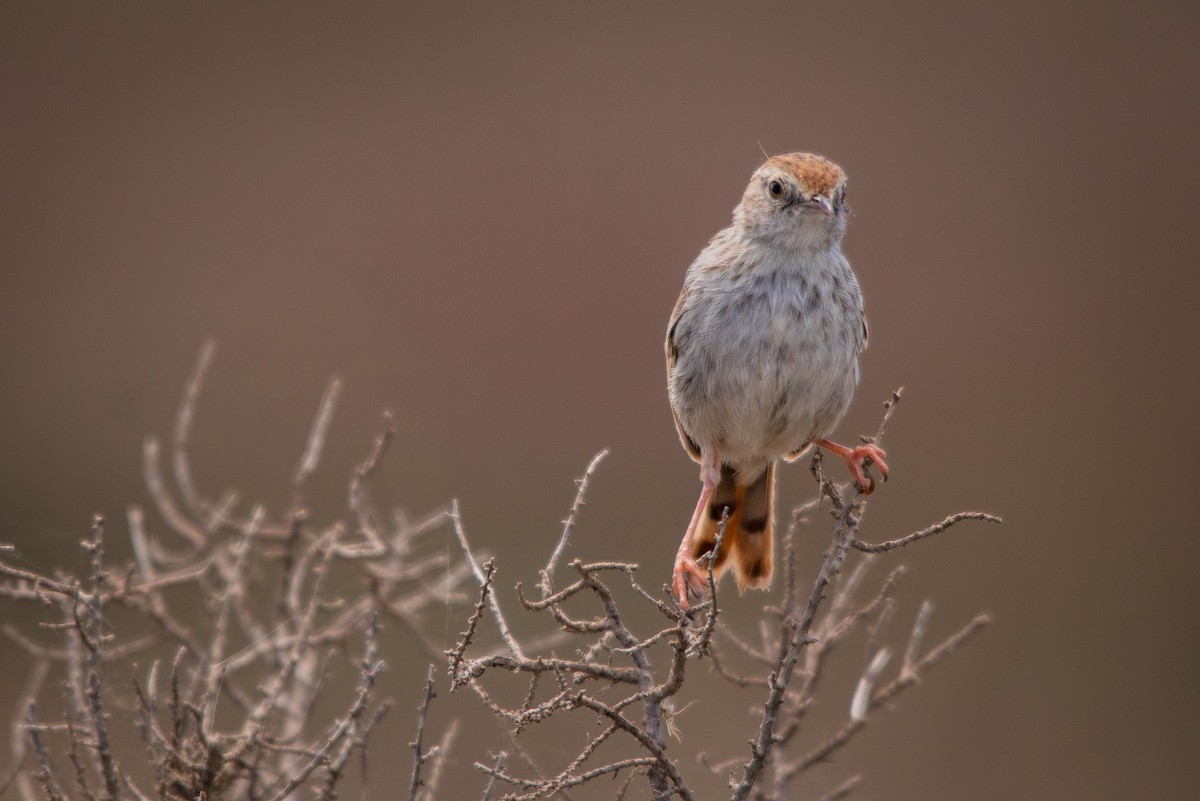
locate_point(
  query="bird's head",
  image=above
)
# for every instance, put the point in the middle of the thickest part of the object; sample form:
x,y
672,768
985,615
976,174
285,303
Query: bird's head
x,y
796,200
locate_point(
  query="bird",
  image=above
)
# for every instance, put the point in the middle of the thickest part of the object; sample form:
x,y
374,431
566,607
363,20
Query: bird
x,y
762,354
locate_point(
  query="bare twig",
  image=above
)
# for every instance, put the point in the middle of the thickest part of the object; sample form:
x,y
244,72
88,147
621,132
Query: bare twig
x,y
183,428
569,523
464,641
46,773
497,614
166,504
842,790
318,433
420,756
19,745
936,528
439,765
494,772
90,634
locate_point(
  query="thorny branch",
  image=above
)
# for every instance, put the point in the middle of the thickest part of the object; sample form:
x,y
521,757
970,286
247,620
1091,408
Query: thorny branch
x,y
651,666
238,716
616,657
421,756
233,714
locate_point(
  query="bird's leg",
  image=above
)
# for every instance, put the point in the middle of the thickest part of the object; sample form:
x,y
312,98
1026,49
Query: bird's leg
x,y
856,460
687,574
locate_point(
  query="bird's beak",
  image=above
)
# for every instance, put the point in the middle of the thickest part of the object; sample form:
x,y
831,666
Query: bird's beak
x,y
819,203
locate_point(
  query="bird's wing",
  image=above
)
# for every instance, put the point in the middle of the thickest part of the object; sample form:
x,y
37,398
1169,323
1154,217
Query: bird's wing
x,y
672,353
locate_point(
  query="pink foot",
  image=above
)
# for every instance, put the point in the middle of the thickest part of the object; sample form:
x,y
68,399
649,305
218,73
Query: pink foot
x,y
687,576
857,460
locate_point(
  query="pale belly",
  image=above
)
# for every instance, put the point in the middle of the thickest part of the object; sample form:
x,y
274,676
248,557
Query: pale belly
x,y
760,375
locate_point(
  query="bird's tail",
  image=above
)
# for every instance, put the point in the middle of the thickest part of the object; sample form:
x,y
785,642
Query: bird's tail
x,y
749,528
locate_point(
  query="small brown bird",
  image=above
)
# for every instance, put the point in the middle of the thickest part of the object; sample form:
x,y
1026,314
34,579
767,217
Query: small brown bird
x,y
762,360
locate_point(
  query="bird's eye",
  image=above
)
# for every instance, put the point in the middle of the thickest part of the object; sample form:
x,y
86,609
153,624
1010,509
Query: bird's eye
x,y
775,188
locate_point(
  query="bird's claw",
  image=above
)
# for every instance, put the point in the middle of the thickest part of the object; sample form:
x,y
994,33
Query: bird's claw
x,y
687,577
857,460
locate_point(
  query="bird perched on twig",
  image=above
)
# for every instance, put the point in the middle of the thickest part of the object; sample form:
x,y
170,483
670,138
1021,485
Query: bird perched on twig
x,y
762,360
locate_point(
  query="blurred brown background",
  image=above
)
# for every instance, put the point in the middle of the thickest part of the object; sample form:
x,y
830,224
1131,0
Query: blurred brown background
x,y
480,217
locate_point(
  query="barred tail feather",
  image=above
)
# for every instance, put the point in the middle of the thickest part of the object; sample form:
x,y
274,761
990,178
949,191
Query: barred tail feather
x,y
749,529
